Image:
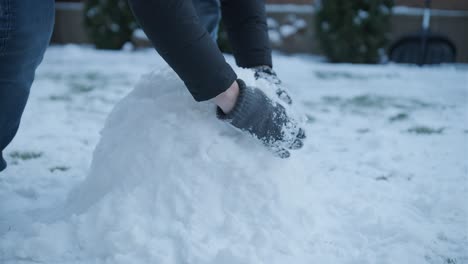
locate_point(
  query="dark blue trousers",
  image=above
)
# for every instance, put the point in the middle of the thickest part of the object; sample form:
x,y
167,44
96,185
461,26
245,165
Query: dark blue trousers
x,y
25,31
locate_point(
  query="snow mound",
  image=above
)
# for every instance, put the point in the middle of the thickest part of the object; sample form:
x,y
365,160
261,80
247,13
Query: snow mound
x,y
169,183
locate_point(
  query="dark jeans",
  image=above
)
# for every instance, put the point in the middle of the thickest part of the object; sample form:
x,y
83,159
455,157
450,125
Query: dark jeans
x,y
25,31
209,13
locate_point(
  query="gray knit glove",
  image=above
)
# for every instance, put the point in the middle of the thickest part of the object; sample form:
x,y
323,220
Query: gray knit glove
x,y
268,74
267,121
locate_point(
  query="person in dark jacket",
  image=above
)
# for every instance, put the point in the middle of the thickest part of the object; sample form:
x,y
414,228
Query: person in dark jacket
x,y
177,34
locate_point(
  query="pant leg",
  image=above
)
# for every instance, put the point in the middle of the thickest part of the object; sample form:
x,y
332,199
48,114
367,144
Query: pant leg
x,y
179,37
25,31
247,30
209,13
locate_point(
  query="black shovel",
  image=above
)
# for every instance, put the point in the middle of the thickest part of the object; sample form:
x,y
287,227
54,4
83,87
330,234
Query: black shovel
x,y
423,47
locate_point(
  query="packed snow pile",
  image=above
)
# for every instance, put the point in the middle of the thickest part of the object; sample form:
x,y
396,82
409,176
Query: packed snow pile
x,y
169,183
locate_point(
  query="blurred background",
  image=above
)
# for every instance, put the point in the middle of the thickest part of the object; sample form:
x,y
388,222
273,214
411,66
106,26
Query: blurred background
x,y
295,26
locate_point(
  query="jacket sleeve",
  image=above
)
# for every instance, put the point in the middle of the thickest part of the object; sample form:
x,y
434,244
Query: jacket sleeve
x,y
176,33
247,30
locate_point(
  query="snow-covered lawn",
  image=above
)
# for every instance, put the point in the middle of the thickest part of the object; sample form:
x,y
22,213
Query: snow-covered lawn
x,y
383,177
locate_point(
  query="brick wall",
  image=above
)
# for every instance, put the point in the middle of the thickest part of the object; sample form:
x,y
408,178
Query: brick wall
x,y
436,4
301,2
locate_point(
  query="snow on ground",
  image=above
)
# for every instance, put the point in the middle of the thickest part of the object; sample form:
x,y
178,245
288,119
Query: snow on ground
x,y
382,177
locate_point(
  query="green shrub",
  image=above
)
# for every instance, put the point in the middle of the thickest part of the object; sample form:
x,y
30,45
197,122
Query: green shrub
x,y
353,31
109,23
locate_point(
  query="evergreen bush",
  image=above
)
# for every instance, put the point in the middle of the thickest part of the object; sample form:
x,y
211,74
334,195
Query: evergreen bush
x,y
353,31
109,23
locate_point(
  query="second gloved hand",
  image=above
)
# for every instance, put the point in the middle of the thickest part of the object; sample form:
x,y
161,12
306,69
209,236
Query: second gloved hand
x,y
269,75
264,119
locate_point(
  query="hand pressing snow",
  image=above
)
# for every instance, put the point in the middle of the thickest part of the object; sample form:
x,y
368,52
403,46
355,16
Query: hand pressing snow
x,y
267,121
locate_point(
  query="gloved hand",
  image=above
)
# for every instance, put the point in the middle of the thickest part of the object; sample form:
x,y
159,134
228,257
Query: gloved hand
x,y
264,119
268,74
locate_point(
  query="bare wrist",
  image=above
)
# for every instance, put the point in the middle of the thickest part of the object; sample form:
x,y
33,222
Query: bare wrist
x,y
227,100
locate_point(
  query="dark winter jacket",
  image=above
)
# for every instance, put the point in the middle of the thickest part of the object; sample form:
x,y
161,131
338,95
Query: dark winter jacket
x,y
175,31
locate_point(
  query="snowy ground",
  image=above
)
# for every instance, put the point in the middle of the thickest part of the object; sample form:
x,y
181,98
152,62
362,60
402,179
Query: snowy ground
x,y
383,177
